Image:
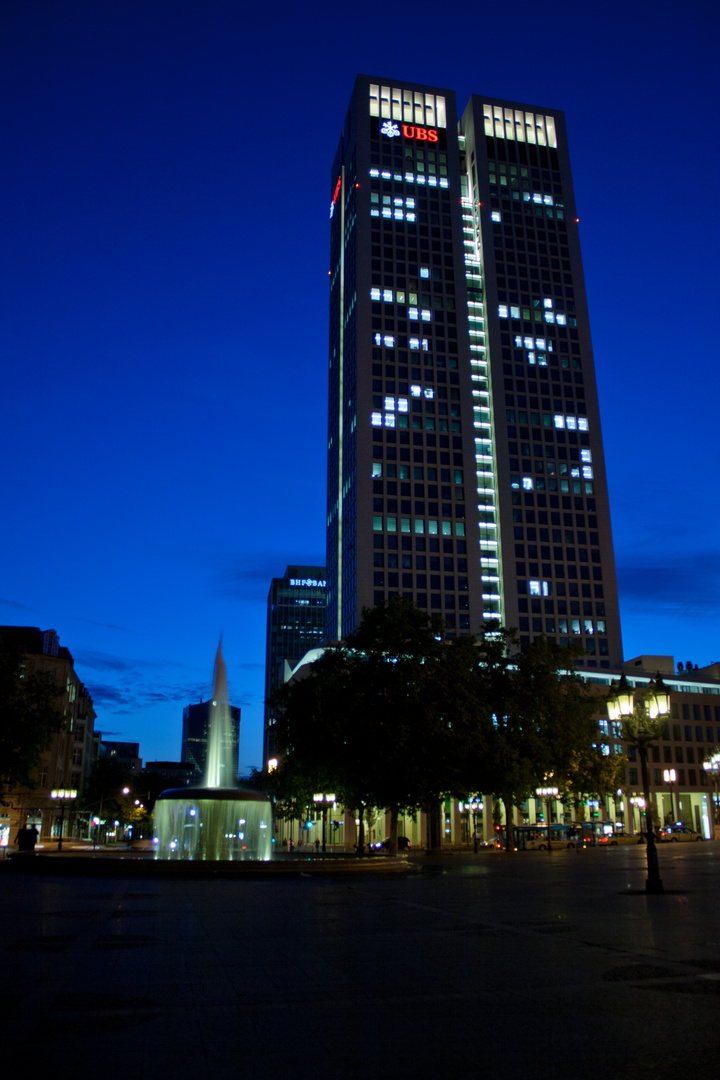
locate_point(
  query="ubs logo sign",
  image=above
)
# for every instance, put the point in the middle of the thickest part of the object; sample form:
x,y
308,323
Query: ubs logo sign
x,y
409,131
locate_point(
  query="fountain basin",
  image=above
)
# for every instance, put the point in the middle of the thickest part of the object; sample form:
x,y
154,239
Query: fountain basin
x,y
194,823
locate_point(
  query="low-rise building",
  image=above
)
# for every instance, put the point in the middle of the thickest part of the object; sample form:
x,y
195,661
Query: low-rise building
x,y
124,754
175,773
682,789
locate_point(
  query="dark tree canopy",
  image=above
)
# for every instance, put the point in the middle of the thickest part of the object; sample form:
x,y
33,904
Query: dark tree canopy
x,y
104,787
378,718
398,716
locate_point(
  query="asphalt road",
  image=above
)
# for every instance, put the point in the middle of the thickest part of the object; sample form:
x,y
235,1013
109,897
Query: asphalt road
x,y
495,965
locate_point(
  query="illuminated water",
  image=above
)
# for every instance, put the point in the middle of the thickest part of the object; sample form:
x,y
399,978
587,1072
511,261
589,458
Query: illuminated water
x,y
214,821
220,769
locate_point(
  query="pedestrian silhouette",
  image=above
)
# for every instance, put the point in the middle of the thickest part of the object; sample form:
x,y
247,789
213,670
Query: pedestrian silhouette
x,y
26,838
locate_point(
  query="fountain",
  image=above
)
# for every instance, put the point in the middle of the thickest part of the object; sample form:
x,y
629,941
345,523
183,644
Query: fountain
x,y
214,822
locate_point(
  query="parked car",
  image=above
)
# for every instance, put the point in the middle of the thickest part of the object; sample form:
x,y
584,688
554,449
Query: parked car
x,y
403,844
613,839
675,833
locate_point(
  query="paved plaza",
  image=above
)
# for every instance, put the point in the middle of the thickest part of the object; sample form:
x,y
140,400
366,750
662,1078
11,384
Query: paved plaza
x,y
505,966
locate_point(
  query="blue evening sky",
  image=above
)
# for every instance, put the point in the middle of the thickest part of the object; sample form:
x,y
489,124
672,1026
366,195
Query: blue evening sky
x,y
164,309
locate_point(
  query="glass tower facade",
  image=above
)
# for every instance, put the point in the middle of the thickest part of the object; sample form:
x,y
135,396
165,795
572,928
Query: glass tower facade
x,y
465,460
196,737
295,624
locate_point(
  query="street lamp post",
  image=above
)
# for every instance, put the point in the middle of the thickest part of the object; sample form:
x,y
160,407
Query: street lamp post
x,y
639,803
474,805
712,768
548,793
619,803
325,801
670,776
643,711
64,795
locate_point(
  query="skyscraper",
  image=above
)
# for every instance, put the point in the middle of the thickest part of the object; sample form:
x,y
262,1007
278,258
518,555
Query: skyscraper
x,y
465,458
295,624
196,738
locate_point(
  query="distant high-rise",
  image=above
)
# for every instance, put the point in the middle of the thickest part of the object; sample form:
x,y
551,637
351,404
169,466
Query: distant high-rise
x,y
295,624
465,457
196,728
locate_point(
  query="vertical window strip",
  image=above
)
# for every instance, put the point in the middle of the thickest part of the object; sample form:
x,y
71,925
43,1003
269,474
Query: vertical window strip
x,y
408,106
533,128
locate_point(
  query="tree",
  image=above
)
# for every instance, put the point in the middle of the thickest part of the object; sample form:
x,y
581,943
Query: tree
x,y
541,717
109,794
103,788
313,713
398,716
593,773
29,717
379,718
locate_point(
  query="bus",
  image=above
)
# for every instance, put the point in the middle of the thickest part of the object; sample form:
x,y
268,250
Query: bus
x,y
569,835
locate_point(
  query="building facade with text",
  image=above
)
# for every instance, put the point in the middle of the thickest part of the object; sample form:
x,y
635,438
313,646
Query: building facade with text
x,y
295,625
465,456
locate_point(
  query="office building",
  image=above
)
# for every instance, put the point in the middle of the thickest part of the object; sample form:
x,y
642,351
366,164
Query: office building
x,y
295,625
126,755
465,457
171,773
195,732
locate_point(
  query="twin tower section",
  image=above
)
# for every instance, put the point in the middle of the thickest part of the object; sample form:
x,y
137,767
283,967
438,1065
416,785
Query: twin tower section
x,y
465,457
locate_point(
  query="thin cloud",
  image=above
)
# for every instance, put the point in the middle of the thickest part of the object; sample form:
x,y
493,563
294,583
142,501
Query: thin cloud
x,y
104,625
102,661
251,581
686,583
104,694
